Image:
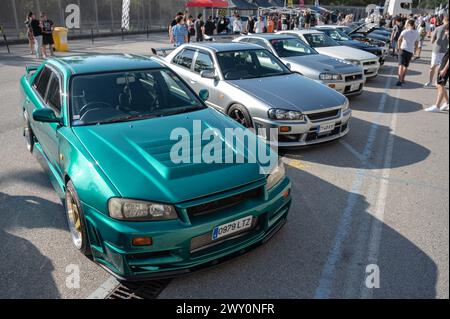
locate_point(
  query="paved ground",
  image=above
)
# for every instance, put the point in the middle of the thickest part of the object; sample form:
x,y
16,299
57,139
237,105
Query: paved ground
x,y
380,196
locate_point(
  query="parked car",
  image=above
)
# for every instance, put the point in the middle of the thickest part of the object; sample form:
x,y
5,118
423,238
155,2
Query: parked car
x,y
342,76
103,125
324,44
361,33
340,37
255,88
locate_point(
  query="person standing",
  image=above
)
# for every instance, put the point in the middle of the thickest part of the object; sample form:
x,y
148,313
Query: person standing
x,y
250,25
440,45
442,79
270,25
395,34
179,33
199,27
30,37
259,25
36,27
422,33
237,25
407,45
307,19
190,28
47,35
174,23
210,27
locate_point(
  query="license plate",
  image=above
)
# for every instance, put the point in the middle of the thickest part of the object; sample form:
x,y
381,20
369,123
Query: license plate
x,y
233,227
354,87
327,127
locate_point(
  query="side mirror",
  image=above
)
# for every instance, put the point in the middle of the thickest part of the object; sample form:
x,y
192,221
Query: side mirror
x,y
45,115
208,74
289,66
204,95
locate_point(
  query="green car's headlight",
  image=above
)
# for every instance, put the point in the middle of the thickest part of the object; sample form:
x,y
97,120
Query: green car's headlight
x,y
276,175
285,115
131,209
330,77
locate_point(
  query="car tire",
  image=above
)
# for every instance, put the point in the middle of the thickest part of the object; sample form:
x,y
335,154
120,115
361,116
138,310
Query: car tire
x,y
240,114
76,221
28,132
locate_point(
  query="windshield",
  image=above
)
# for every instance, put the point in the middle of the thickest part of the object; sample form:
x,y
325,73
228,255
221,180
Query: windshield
x,y
320,40
286,48
249,64
126,96
337,35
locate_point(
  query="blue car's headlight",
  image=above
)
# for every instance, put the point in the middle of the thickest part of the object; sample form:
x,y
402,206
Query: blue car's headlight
x,y
131,209
330,77
346,105
285,115
276,175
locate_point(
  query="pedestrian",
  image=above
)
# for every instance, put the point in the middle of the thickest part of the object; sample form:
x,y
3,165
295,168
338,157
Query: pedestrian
x,y
222,25
199,27
47,35
174,23
440,45
210,27
407,45
179,34
237,25
307,19
250,25
36,27
395,34
270,25
422,33
30,37
442,79
259,25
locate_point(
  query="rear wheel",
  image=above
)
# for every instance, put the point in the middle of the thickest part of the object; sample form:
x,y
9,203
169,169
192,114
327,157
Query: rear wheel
x,y
240,114
28,132
76,221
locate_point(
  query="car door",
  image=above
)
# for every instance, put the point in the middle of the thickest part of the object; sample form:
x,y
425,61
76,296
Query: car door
x,y
182,64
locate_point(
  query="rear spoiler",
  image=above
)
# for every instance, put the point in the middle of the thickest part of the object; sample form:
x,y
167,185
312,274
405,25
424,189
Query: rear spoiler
x,y
31,68
162,52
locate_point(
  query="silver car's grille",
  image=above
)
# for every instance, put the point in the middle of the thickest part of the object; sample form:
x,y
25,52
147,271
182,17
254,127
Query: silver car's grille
x,y
323,116
369,63
353,77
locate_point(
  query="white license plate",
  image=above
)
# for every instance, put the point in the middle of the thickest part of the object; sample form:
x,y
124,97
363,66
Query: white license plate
x,y
327,127
354,87
233,227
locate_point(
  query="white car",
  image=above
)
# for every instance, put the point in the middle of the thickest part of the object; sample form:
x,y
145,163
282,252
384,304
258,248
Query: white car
x,y
324,44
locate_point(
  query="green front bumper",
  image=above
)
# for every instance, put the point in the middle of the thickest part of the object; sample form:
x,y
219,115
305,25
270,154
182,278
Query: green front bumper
x,y
172,252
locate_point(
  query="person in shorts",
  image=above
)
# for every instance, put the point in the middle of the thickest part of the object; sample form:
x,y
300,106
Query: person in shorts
x,y
30,32
47,35
440,46
407,45
36,27
442,79
395,34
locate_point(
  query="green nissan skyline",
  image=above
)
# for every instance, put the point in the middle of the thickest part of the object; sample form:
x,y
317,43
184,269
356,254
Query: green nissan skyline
x,y
150,181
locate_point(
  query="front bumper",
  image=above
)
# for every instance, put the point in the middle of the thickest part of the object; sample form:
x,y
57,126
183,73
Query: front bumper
x,y
347,88
305,133
171,253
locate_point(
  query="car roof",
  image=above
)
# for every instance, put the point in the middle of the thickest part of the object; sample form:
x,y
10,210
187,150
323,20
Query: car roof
x,y
223,46
99,63
302,31
269,36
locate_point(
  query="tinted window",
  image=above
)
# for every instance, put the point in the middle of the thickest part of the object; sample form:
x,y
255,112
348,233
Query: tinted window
x,y
184,58
291,47
54,94
258,42
41,81
203,63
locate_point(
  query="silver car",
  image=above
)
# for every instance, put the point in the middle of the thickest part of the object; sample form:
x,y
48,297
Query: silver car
x,y
342,76
255,88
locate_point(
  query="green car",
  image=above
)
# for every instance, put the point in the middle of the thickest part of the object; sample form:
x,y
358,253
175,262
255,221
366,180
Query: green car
x,y
105,126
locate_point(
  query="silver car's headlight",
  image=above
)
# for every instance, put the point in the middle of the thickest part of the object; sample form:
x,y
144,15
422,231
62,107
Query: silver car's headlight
x,y
285,115
346,105
330,77
355,62
131,209
276,175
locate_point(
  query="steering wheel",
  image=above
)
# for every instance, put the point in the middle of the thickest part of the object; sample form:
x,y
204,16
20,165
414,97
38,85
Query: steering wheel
x,y
93,105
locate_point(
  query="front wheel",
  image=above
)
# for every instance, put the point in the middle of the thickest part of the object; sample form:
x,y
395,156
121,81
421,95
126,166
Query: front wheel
x,y
240,114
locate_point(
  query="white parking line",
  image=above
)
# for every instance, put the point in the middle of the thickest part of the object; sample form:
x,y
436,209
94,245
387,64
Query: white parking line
x,y
105,289
335,254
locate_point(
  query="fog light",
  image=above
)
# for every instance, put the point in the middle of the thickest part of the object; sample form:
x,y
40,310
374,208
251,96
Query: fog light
x,y
285,129
142,241
332,86
287,193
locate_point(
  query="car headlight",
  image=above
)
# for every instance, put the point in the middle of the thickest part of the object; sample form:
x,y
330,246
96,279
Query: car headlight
x,y
346,105
131,209
276,175
355,62
286,115
329,77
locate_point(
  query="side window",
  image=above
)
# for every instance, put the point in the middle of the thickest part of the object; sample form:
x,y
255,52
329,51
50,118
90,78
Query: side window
x,y
54,94
203,63
184,58
41,81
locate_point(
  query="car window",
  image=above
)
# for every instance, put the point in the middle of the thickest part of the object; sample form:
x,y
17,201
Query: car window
x,y
184,58
318,40
259,42
54,94
41,81
126,96
291,47
337,35
203,62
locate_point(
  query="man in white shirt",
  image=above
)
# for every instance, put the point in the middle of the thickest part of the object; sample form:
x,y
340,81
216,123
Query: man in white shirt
x,y
259,25
407,45
237,25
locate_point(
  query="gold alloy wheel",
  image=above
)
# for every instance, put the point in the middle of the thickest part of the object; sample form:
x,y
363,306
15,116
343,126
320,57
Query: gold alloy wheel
x,y
74,220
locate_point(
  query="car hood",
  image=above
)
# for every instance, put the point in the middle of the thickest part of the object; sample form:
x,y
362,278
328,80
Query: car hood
x,y
344,52
293,92
359,45
135,156
322,63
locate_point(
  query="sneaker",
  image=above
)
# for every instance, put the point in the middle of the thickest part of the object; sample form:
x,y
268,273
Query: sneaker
x,y
433,109
428,85
399,83
444,107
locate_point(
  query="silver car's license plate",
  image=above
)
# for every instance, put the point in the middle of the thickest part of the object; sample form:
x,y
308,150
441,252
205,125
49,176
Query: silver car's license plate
x,y
233,227
354,87
327,127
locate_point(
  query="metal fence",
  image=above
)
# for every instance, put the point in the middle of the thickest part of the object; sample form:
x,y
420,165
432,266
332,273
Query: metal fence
x,y
98,16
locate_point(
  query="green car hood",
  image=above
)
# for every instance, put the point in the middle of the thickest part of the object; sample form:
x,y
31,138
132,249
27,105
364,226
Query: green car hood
x,y
135,156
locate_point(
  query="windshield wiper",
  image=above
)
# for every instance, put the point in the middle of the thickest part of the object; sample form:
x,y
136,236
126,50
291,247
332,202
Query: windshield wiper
x,y
127,118
186,109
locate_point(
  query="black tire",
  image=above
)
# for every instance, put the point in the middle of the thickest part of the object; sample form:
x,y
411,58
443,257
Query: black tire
x,y
240,114
84,246
28,132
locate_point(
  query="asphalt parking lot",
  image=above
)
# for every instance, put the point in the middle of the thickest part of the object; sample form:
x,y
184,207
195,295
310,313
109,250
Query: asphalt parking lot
x,y
380,196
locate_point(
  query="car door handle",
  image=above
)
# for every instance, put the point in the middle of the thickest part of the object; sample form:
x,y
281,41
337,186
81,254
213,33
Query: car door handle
x,y
193,81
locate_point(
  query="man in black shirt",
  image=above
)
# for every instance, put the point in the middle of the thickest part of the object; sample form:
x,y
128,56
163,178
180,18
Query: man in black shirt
x,y
199,27
36,27
210,27
47,35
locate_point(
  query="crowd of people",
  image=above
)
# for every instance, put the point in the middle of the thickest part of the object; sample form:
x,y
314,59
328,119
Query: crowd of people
x,y
40,35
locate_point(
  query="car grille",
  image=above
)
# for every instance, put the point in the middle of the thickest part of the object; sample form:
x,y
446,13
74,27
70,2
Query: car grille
x,y
223,203
369,63
353,77
321,116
